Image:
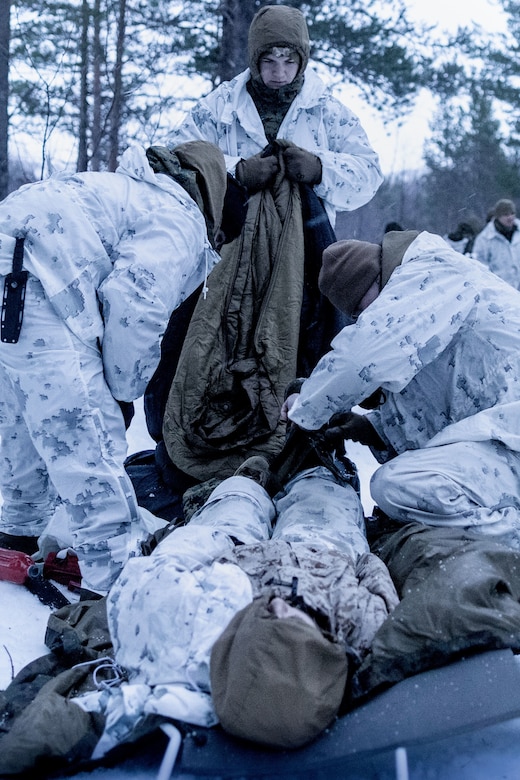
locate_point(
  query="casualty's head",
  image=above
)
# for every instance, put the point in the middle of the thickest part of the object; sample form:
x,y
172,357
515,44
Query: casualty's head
x,y
276,678
278,46
353,273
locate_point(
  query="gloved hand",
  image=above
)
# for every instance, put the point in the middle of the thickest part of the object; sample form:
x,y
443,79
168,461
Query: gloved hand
x,y
257,172
349,425
302,166
286,407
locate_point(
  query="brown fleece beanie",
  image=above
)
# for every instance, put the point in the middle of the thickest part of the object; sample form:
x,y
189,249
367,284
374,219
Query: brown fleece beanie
x,y
348,270
504,207
276,681
395,244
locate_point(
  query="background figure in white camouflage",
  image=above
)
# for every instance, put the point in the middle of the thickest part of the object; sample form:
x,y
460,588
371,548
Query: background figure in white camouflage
x,y
435,343
109,256
498,245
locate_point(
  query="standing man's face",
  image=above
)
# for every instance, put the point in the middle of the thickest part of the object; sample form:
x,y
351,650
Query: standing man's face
x,y
508,220
277,72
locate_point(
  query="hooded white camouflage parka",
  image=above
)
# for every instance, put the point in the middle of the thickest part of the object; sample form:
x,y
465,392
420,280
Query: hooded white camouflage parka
x,y
115,255
316,121
442,341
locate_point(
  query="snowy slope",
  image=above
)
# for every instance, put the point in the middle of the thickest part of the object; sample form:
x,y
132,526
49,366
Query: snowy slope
x,y
488,754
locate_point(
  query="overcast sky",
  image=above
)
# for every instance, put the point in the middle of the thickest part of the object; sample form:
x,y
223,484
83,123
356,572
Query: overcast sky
x,y
451,14
399,145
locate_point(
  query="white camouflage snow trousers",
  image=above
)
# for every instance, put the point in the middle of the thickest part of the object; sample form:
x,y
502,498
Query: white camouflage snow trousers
x,y
313,509
469,484
63,445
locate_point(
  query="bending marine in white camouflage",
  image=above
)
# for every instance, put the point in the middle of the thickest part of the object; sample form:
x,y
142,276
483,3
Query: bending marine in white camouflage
x,y
109,256
437,337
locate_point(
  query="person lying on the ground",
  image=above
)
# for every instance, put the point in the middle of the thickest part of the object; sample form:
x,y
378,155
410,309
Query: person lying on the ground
x,y
435,340
254,614
92,265
278,597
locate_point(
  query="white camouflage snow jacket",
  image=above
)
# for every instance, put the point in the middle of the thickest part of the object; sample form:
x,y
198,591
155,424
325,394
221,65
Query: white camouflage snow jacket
x,y
500,255
116,253
316,121
443,342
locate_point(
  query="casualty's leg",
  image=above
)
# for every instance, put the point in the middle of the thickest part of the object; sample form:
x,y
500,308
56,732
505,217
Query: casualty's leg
x,y
239,507
315,509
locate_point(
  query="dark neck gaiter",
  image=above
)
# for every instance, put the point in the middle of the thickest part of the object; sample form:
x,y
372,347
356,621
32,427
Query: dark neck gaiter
x,y
273,104
507,232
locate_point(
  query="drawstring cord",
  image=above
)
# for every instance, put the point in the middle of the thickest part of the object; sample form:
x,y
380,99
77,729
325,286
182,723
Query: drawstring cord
x,y
174,735
205,288
104,664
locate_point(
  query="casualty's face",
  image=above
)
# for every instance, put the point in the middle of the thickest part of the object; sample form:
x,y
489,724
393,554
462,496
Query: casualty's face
x,y
278,70
282,609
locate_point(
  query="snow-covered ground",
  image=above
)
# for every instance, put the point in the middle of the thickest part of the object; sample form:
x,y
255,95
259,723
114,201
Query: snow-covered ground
x,y
492,753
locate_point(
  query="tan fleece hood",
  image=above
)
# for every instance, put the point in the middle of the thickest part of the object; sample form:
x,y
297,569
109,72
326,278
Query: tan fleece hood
x,y
277,25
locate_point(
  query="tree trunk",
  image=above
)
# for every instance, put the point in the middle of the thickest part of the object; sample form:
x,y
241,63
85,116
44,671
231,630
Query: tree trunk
x,y
97,48
236,18
115,122
5,36
82,163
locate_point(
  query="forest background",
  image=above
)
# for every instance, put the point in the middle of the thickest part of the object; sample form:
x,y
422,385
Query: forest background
x,y
82,79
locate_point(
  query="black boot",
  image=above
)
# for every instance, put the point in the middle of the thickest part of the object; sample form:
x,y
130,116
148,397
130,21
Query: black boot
x,y
25,544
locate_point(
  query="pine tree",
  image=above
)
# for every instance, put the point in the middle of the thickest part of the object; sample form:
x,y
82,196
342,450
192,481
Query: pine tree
x,y
469,163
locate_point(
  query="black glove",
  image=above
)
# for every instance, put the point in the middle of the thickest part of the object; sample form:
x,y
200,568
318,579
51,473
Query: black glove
x,y
302,166
294,386
257,172
356,427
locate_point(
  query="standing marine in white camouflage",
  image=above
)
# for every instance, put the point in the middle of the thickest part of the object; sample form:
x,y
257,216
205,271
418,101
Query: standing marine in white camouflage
x,y
498,245
279,97
108,257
